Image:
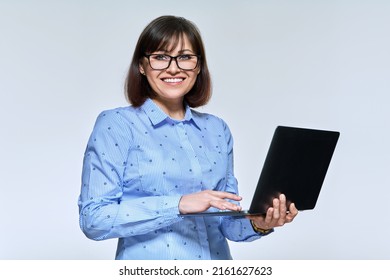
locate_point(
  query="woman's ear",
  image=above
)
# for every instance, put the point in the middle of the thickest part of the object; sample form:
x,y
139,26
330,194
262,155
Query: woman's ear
x,y
141,69
198,69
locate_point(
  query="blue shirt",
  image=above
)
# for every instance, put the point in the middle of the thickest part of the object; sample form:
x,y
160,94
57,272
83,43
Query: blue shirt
x,y
138,164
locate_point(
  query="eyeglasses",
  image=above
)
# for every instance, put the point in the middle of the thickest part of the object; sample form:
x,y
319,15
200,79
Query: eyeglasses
x,y
163,61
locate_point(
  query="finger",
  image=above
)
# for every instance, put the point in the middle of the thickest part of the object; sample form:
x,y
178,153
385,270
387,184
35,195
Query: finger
x,y
226,195
293,211
283,203
276,205
224,205
282,207
269,216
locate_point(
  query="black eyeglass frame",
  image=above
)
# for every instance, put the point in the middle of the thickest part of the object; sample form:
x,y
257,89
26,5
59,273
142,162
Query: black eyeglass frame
x,y
173,58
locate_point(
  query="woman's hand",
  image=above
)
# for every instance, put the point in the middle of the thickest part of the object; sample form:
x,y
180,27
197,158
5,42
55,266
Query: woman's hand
x,y
276,215
201,201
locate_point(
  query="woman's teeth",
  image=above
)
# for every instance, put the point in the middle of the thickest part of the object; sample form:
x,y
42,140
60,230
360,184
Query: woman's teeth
x,y
173,80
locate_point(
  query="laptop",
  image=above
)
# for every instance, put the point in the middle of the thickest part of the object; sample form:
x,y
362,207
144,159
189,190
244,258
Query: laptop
x,y
296,165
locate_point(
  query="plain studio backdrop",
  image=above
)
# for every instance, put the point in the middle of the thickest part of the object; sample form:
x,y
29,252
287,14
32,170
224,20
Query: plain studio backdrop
x,y
318,64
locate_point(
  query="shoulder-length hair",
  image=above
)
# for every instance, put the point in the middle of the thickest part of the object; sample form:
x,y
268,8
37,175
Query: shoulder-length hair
x,y
162,33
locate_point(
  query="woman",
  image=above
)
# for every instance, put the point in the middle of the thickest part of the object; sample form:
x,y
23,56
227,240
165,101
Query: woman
x,y
148,163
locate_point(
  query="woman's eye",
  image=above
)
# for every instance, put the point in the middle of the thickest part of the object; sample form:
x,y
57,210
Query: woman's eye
x,y
185,57
160,57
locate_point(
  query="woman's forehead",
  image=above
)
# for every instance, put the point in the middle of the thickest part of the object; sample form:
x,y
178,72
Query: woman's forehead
x,y
178,42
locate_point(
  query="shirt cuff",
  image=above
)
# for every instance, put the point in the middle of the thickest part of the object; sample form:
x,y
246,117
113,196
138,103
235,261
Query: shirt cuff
x,y
171,206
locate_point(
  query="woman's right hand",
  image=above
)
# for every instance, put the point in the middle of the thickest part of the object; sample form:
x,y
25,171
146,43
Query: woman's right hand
x,y
201,201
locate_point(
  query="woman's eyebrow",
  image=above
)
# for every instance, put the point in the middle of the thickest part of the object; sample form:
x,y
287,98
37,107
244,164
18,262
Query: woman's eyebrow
x,y
169,52
186,50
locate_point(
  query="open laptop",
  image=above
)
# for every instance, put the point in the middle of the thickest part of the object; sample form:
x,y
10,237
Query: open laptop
x,y
296,164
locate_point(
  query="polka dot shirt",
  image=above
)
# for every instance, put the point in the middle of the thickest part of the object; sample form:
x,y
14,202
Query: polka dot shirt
x,y
137,165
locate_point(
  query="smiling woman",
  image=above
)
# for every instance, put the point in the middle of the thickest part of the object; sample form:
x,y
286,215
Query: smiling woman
x,y
147,164
170,82
163,36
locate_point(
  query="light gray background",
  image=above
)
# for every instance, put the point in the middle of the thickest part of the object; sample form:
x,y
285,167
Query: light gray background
x,y
321,64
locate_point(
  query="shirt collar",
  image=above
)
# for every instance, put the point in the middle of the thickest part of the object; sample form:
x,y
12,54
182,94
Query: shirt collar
x,y
158,117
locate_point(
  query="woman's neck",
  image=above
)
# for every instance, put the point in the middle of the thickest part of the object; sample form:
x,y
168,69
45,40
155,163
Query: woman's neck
x,y
174,109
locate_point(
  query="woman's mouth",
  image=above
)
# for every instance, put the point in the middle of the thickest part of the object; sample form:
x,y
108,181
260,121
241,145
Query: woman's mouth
x,y
173,80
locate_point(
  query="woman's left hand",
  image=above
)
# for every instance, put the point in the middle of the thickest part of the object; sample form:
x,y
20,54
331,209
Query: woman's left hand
x,y
276,215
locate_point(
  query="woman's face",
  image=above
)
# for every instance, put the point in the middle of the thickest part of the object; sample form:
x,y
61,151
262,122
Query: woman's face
x,y
171,84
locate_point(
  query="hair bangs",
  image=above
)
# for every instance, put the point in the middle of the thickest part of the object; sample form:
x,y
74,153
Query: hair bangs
x,y
168,36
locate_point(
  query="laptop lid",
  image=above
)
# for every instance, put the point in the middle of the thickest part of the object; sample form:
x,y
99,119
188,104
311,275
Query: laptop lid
x,y
296,165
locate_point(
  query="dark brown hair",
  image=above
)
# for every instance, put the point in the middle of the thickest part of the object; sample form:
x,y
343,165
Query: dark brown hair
x,y
161,33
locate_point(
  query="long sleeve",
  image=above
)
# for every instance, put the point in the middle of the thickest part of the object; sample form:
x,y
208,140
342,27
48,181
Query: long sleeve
x,y
104,210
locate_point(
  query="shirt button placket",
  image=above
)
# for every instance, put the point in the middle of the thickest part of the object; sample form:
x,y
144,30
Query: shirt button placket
x,y
194,169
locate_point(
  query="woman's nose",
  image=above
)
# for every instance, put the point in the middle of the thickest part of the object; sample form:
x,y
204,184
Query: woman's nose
x,y
173,67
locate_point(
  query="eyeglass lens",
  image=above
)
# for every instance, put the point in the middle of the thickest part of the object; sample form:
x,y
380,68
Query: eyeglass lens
x,y
185,62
